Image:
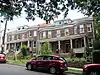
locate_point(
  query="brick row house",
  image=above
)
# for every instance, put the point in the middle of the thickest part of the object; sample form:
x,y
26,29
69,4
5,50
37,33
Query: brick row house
x,y
66,35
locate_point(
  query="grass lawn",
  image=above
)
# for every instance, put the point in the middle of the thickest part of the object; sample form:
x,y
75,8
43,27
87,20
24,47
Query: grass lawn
x,y
17,62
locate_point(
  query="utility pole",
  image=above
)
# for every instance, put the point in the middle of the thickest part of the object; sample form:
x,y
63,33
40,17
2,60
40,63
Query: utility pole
x,y
3,38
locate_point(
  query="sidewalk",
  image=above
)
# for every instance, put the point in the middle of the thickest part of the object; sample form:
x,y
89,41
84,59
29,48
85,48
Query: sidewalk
x,y
72,70
80,69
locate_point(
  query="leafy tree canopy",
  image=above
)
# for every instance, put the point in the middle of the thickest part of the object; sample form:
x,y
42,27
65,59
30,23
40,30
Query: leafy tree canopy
x,y
47,9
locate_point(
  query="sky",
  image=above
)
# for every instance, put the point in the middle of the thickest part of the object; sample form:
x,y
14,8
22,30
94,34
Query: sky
x,y
72,14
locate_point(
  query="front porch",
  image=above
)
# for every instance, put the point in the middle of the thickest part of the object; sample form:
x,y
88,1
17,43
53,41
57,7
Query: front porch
x,y
65,47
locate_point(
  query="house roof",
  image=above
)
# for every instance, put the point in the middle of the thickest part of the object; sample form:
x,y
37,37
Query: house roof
x,y
44,25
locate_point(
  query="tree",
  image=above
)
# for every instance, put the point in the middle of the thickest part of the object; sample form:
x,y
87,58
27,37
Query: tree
x,y
47,9
24,50
97,27
45,49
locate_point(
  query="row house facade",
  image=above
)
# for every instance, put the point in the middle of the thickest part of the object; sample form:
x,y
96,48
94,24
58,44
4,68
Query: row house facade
x,y
65,35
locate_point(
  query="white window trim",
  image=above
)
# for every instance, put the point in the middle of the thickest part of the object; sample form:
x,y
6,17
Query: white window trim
x,y
12,37
66,30
44,34
30,33
49,34
35,33
23,35
58,34
75,30
81,28
89,25
18,36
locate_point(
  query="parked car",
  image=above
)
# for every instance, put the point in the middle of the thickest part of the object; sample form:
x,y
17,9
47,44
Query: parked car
x,y
91,69
52,63
2,58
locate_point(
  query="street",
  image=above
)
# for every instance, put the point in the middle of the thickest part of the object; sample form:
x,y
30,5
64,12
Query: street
x,y
6,69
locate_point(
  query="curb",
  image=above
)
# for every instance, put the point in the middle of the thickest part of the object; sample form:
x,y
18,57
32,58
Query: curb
x,y
73,73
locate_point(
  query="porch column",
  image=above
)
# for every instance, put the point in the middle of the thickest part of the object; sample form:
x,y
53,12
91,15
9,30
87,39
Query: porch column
x,y
37,46
15,46
71,44
21,44
84,42
59,45
28,43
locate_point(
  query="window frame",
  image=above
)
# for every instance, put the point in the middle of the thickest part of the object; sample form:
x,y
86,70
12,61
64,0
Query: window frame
x,y
82,28
35,33
89,26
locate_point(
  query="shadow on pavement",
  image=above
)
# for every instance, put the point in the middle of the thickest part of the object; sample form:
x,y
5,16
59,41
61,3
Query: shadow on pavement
x,y
42,71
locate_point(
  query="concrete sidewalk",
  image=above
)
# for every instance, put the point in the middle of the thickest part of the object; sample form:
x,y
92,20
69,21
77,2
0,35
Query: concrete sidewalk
x,y
76,71
80,69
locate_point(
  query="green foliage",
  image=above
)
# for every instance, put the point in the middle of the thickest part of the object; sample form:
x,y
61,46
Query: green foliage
x,y
46,49
68,59
74,60
97,45
24,50
47,10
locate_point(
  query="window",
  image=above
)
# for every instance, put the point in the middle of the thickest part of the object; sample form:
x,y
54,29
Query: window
x,y
66,31
58,33
44,34
89,28
34,44
49,34
81,28
35,33
40,58
18,36
48,58
75,29
90,43
59,22
30,33
15,37
12,37
8,37
22,36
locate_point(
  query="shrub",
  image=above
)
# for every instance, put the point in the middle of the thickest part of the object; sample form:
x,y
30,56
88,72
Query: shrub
x,y
45,49
82,60
76,62
68,60
24,50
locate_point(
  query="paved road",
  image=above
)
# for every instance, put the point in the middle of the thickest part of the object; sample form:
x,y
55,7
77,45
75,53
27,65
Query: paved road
x,y
6,69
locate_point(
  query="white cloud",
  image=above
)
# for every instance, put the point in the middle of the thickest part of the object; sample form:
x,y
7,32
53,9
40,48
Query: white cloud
x,y
73,14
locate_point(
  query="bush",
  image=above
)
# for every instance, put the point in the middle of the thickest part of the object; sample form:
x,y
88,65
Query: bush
x,y
76,62
24,50
46,49
68,60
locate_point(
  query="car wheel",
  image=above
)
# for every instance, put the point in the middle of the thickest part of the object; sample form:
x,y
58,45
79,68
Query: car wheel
x,y
29,67
52,70
94,73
